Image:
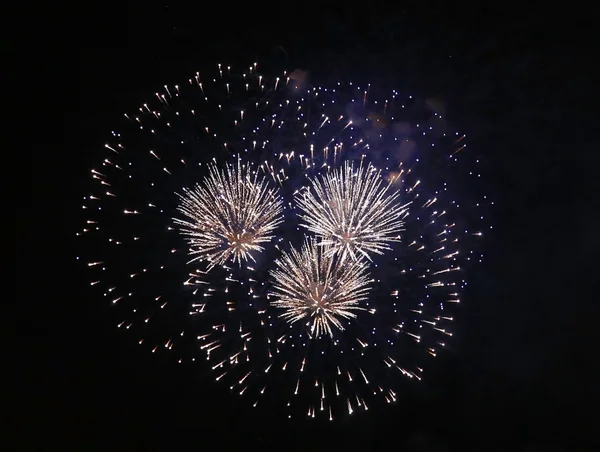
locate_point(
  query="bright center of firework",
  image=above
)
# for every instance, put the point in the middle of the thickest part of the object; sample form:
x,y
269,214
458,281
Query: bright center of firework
x,y
230,215
315,285
317,293
240,240
346,238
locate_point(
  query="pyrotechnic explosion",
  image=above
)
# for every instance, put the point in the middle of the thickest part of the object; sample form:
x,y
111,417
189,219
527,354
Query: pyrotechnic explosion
x,y
318,287
353,211
229,215
311,150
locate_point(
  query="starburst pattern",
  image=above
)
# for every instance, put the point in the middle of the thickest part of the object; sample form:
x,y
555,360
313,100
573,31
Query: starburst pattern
x,y
230,215
319,287
294,133
353,211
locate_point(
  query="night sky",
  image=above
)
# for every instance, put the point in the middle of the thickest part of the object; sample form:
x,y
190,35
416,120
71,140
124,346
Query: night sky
x,y
519,374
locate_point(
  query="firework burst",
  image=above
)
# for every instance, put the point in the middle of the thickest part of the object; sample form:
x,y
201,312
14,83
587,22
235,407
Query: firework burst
x,y
316,286
230,215
300,138
353,211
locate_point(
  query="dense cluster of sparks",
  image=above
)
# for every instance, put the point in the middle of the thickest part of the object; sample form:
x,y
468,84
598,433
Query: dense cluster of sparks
x,y
329,325
318,287
229,215
353,211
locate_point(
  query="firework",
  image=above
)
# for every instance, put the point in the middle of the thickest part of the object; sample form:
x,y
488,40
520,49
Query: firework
x,y
316,286
353,212
294,139
230,215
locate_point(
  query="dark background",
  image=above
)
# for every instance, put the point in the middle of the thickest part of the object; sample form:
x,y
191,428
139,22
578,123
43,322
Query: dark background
x,y
517,81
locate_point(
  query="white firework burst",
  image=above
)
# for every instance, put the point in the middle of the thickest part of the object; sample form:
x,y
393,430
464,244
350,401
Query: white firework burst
x,y
229,215
319,287
353,211
292,132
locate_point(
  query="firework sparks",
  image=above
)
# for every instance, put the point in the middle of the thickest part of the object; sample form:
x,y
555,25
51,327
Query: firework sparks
x,y
353,212
230,215
320,287
297,136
